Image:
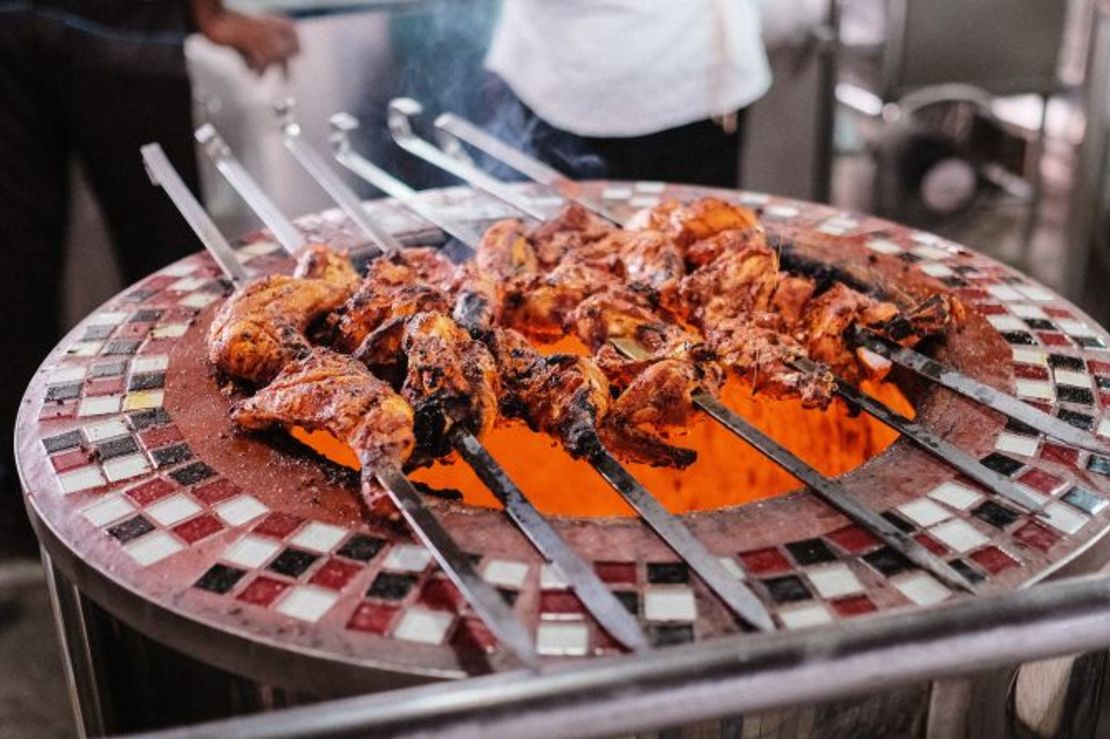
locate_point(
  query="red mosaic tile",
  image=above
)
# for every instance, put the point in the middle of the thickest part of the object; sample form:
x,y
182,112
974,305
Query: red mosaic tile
x,y
1060,454
1058,312
1098,367
853,539
853,606
262,591
440,594
763,561
1053,339
972,295
335,574
198,528
151,491
1036,536
69,460
160,436
1041,406
133,331
473,634
605,644
58,410
104,386
215,491
1030,372
158,346
1104,400
992,559
619,573
560,602
991,309
1042,481
159,282
931,544
278,525
372,618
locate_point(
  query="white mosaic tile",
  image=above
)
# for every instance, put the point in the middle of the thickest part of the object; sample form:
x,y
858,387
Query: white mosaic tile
x,y
834,581
1027,310
781,211
1063,518
1005,322
154,547
307,603
180,269
84,348
1036,293
753,198
552,578
651,186
670,604
805,616
931,252
643,201
126,467
956,495
832,229
921,589
562,639
505,573
935,269
958,535
199,300
169,331
1070,377
1025,355
883,246
98,406
65,375
924,512
144,399
1071,327
424,626
1025,446
107,318
1104,427
319,537
241,509
150,363
83,478
1003,292
187,284
616,193
1035,389
108,510
106,430
251,551
173,509
407,558
924,237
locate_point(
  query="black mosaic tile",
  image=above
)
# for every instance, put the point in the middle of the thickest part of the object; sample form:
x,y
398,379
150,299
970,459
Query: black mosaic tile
x,y
1077,419
1089,342
219,579
952,281
391,586
152,417
1103,382
138,296
810,552
509,596
293,562
63,392
131,529
1040,324
1078,395
147,315
152,381
171,455
1063,361
908,257
97,333
668,635
1015,426
995,514
1084,500
1099,464
1001,464
193,473
899,523
964,269
629,599
1023,338
61,442
667,572
361,547
969,573
108,369
121,346
787,589
116,447
887,561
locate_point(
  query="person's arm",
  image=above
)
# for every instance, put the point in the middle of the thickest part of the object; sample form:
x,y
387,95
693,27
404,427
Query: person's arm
x,y
262,40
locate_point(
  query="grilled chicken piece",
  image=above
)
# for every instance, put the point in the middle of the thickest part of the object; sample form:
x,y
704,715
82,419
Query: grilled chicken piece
x,y
504,255
568,236
687,223
320,262
542,305
735,283
701,253
262,326
428,265
335,393
450,379
829,317
790,298
648,259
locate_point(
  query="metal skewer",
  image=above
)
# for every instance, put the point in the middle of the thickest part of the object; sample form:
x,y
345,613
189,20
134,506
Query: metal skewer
x,y
1002,402
326,177
452,131
482,596
831,491
288,235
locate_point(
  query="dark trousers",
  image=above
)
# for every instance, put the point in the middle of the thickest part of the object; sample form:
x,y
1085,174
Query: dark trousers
x,y
700,153
91,80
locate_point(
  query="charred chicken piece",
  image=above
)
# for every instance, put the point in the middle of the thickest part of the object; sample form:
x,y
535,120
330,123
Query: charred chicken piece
x,y
542,305
694,221
262,326
568,236
649,260
504,255
336,393
450,379
704,251
827,322
735,283
319,262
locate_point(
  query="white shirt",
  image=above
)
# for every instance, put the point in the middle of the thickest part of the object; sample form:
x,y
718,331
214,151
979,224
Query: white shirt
x,y
630,67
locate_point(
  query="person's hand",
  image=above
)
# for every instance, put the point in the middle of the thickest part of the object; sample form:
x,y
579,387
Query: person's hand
x,y
262,40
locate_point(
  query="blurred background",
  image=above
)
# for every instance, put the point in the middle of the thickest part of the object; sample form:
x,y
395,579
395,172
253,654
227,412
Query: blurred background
x,y
986,122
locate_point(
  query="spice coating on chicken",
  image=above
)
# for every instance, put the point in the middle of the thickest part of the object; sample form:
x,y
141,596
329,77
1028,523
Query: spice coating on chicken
x,y
827,320
262,326
735,283
568,236
320,262
503,255
542,305
694,221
